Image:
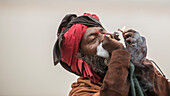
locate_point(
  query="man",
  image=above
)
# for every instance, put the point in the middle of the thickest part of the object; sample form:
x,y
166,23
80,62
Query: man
x,y
126,72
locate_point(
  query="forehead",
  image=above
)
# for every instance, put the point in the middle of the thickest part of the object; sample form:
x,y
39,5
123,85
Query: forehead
x,y
91,30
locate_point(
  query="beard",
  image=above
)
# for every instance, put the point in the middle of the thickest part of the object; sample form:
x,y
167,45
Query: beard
x,y
98,64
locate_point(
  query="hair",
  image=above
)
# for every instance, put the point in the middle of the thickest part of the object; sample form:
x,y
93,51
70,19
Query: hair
x,y
98,64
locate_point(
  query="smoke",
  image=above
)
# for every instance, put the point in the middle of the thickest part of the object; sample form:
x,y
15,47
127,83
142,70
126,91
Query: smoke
x,y
138,51
137,48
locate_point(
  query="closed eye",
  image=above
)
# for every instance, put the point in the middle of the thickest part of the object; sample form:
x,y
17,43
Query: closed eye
x,y
92,39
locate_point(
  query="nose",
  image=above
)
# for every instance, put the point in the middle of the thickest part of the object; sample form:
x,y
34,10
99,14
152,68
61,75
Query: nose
x,y
102,37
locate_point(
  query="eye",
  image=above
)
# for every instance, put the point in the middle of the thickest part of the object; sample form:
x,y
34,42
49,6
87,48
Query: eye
x,y
92,39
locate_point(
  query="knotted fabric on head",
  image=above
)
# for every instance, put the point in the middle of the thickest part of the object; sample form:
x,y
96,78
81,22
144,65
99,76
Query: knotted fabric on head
x,y
70,33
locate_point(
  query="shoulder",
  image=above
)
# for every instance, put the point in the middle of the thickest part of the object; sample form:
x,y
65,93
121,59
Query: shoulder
x,y
84,87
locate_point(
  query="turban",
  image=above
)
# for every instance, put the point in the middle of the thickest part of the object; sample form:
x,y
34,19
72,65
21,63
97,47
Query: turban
x,y
70,33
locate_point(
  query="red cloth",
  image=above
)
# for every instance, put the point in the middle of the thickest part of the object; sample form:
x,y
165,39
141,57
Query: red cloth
x,y
92,15
70,48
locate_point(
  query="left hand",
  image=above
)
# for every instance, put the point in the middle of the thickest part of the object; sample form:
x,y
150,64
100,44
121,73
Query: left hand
x,y
135,44
132,38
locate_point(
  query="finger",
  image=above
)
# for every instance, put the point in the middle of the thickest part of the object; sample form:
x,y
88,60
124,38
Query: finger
x,y
106,39
116,36
128,34
109,35
130,40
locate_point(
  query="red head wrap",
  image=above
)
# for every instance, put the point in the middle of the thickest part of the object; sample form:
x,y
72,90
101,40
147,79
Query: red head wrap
x,y
70,48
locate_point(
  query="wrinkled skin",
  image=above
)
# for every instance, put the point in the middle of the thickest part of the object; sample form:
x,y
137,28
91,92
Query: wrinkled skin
x,y
91,39
136,45
88,48
95,35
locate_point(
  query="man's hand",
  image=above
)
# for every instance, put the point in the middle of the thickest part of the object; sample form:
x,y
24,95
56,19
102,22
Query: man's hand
x,y
132,38
111,44
136,45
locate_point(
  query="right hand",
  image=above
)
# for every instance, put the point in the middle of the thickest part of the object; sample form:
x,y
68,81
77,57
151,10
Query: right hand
x,y
111,44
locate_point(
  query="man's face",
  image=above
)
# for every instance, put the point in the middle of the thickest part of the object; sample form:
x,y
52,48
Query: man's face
x,y
88,48
91,39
